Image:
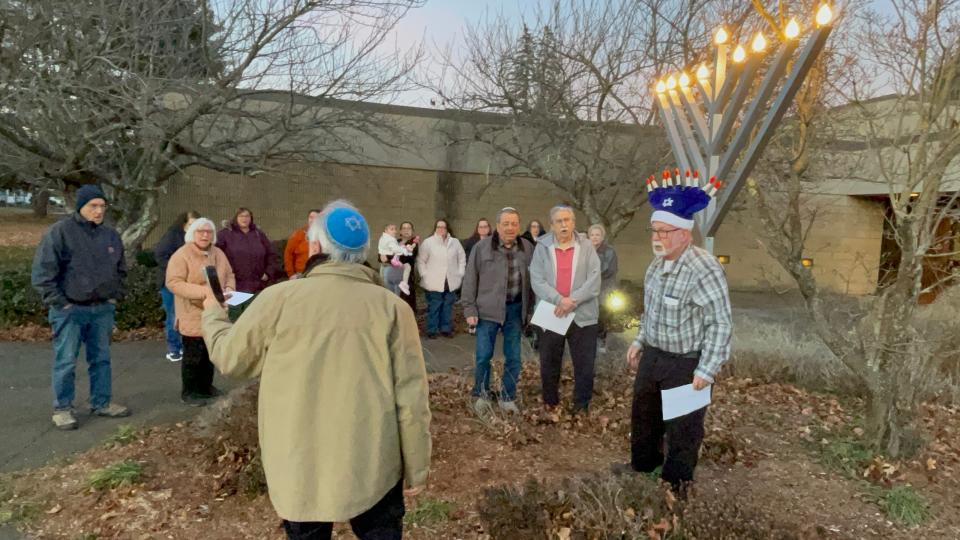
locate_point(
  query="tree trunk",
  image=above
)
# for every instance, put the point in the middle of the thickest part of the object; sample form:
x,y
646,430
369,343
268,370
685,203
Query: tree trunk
x,y
137,224
887,423
39,201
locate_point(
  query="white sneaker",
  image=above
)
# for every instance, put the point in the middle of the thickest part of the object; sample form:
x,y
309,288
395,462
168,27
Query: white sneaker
x,y
404,288
174,357
64,419
509,406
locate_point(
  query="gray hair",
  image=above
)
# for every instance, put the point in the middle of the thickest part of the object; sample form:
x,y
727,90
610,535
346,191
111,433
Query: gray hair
x,y
197,223
603,232
318,233
559,207
507,210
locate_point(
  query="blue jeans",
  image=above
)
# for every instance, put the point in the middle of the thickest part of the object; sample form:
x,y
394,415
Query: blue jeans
x,y
174,342
440,311
91,326
486,342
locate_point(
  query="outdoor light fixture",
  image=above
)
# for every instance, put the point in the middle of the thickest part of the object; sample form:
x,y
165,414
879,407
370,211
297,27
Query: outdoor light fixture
x,y
721,113
739,54
616,301
703,72
724,259
807,263
792,30
759,43
721,36
824,15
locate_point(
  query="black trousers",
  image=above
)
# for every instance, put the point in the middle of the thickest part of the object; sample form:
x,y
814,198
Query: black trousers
x,y
583,352
196,371
382,522
681,437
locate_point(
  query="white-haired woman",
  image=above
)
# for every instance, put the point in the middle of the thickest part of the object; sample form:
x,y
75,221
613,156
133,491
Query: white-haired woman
x,y
185,278
608,277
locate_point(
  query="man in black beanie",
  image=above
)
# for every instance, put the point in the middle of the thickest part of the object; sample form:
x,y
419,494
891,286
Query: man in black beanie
x,y
78,270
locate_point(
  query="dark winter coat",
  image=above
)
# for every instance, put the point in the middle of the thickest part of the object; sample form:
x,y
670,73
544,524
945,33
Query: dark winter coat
x,y
251,256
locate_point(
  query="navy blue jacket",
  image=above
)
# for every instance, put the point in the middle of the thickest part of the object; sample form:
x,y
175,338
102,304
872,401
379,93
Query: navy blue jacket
x,y
78,262
172,240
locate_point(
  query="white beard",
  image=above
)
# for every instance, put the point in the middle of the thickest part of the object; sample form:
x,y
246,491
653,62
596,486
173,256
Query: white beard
x,y
658,249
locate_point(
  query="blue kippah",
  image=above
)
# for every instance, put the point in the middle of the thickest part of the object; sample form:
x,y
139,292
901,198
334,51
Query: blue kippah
x,y
347,228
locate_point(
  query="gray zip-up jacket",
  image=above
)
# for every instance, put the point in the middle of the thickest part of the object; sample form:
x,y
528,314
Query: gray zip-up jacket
x,y
484,293
586,277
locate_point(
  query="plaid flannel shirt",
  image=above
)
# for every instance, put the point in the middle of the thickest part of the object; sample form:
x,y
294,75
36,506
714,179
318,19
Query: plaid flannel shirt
x,y
687,309
514,271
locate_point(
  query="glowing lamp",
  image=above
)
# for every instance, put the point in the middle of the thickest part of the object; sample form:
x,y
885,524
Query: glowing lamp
x,y
824,15
616,301
759,43
671,82
739,54
721,36
703,72
792,30
661,87
684,80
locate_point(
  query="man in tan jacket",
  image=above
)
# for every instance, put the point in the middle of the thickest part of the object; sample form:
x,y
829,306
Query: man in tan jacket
x,y
343,414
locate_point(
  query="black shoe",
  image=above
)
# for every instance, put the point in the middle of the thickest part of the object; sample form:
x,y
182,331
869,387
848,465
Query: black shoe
x,y
447,334
213,392
431,335
194,400
580,408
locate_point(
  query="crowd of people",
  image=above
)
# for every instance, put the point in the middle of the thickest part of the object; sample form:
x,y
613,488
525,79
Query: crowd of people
x,y
322,369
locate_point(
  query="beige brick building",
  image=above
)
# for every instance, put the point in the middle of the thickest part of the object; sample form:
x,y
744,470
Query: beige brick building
x,y
436,179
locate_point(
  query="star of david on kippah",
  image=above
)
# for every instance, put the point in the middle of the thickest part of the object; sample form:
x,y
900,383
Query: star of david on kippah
x,y
353,223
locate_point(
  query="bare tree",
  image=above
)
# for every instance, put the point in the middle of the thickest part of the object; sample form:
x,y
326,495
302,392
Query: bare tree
x,y
573,85
908,143
129,93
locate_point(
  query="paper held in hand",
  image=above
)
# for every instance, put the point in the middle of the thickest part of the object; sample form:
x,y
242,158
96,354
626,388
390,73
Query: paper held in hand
x,y
683,400
237,298
544,318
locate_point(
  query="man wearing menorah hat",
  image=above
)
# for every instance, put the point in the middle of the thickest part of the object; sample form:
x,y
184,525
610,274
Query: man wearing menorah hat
x,y
685,334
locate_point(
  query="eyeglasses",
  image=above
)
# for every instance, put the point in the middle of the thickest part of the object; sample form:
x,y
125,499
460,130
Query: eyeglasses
x,y
204,231
661,233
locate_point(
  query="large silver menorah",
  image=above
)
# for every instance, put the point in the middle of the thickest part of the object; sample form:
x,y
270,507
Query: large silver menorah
x,y
713,130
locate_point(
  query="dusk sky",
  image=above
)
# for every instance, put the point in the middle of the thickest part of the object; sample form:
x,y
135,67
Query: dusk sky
x,y
440,22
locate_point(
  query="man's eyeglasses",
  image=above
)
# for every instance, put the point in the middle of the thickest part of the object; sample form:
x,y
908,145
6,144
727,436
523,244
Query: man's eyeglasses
x,y
661,233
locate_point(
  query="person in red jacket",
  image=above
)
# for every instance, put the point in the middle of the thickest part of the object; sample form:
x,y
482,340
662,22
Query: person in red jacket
x,y
297,251
254,262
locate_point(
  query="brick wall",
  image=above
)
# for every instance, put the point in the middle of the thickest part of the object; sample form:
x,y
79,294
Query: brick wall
x,y
845,245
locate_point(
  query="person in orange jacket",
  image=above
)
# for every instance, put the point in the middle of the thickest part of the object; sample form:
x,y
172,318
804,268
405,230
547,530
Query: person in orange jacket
x,y
296,253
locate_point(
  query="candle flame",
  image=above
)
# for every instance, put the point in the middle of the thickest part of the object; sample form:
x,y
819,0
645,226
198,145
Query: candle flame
x,y
721,36
824,15
684,80
671,82
759,43
792,30
703,72
739,54
661,87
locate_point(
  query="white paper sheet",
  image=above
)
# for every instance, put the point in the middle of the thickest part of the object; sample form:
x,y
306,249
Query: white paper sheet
x,y
544,318
683,400
237,298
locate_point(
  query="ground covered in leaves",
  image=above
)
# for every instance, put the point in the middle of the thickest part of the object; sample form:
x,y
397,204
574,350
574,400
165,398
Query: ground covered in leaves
x,y
778,462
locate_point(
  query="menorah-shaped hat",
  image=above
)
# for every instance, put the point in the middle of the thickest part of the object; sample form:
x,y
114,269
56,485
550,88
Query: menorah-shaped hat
x,y
678,199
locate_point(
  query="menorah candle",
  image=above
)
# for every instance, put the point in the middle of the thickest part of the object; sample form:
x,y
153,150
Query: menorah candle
x,y
696,178
686,178
666,179
653,181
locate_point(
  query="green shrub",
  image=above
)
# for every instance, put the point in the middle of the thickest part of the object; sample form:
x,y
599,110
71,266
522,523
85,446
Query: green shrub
x,y
142,306
20,304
